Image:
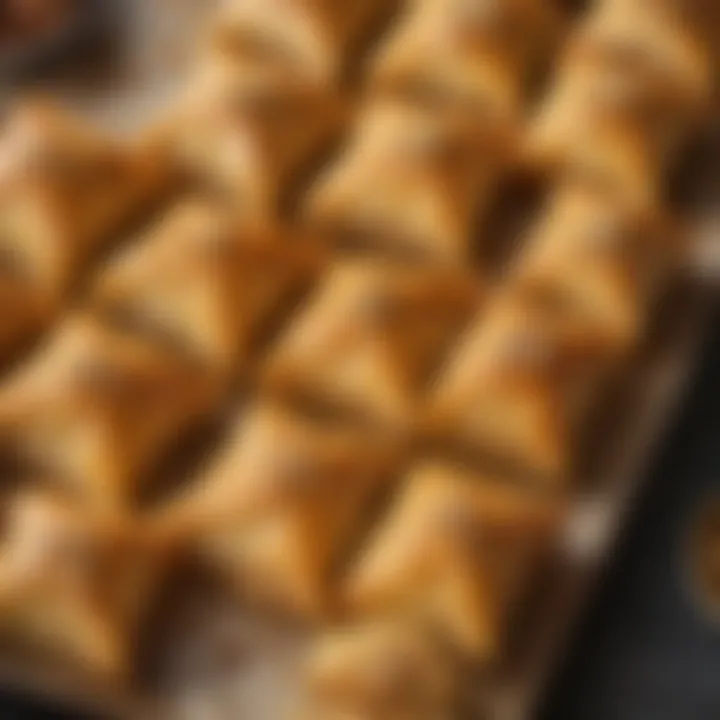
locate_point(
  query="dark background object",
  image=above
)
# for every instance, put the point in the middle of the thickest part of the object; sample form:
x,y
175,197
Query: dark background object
x,y
646,651
18,707
88,24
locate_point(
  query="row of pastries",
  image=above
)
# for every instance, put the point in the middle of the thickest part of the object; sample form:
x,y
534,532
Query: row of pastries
x,y
438,580
391,342
148,347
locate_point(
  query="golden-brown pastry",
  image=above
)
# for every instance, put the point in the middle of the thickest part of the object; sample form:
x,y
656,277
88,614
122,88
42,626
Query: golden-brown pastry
x,y
409,183
603,259
628,94
95,408
518,385
26,311
380,671
457,550
688,25
204,282
314,39
277,510
246,131
370,336
64,191
477,55
73,585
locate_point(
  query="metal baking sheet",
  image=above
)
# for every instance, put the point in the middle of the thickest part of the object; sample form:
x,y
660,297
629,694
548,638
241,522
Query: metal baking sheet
x,y
210,658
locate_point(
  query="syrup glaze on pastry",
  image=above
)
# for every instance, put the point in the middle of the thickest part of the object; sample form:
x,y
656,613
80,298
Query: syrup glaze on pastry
x,y
476,55
74,585
410,183
627,95
606,261
392,670
277,522
64,190
95,408
370,337
204,282
515,389
244,132
314,39
456,550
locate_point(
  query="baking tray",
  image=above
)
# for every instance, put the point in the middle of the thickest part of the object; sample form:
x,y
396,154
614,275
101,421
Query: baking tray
x,y
213,659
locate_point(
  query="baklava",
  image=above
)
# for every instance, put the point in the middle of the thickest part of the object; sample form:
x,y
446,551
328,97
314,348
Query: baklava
x,y
628,94
370,337
392,670
73,586
31,311
245,132
605,260
410,183
516,390
314,39
456,550
94,408
64,191
205,282
474,55
278,509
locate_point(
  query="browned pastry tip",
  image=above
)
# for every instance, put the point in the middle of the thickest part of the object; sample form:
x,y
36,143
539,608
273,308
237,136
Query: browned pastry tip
x,y
473,55
65,190
95,408
410,183
204,282
370,337
629,94
698,20
602,259
517,388
678,48
72,585
457,550
246,133
278,508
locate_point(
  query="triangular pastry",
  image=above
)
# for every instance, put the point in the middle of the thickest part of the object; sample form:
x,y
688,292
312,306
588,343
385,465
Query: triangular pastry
x,y
204,282
675,33
246,131
370,336
96,408
457,550
409,183
314,39
519,384
278,509
697,22
73,585
621,106
392,670
477,55
64,191
606,261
